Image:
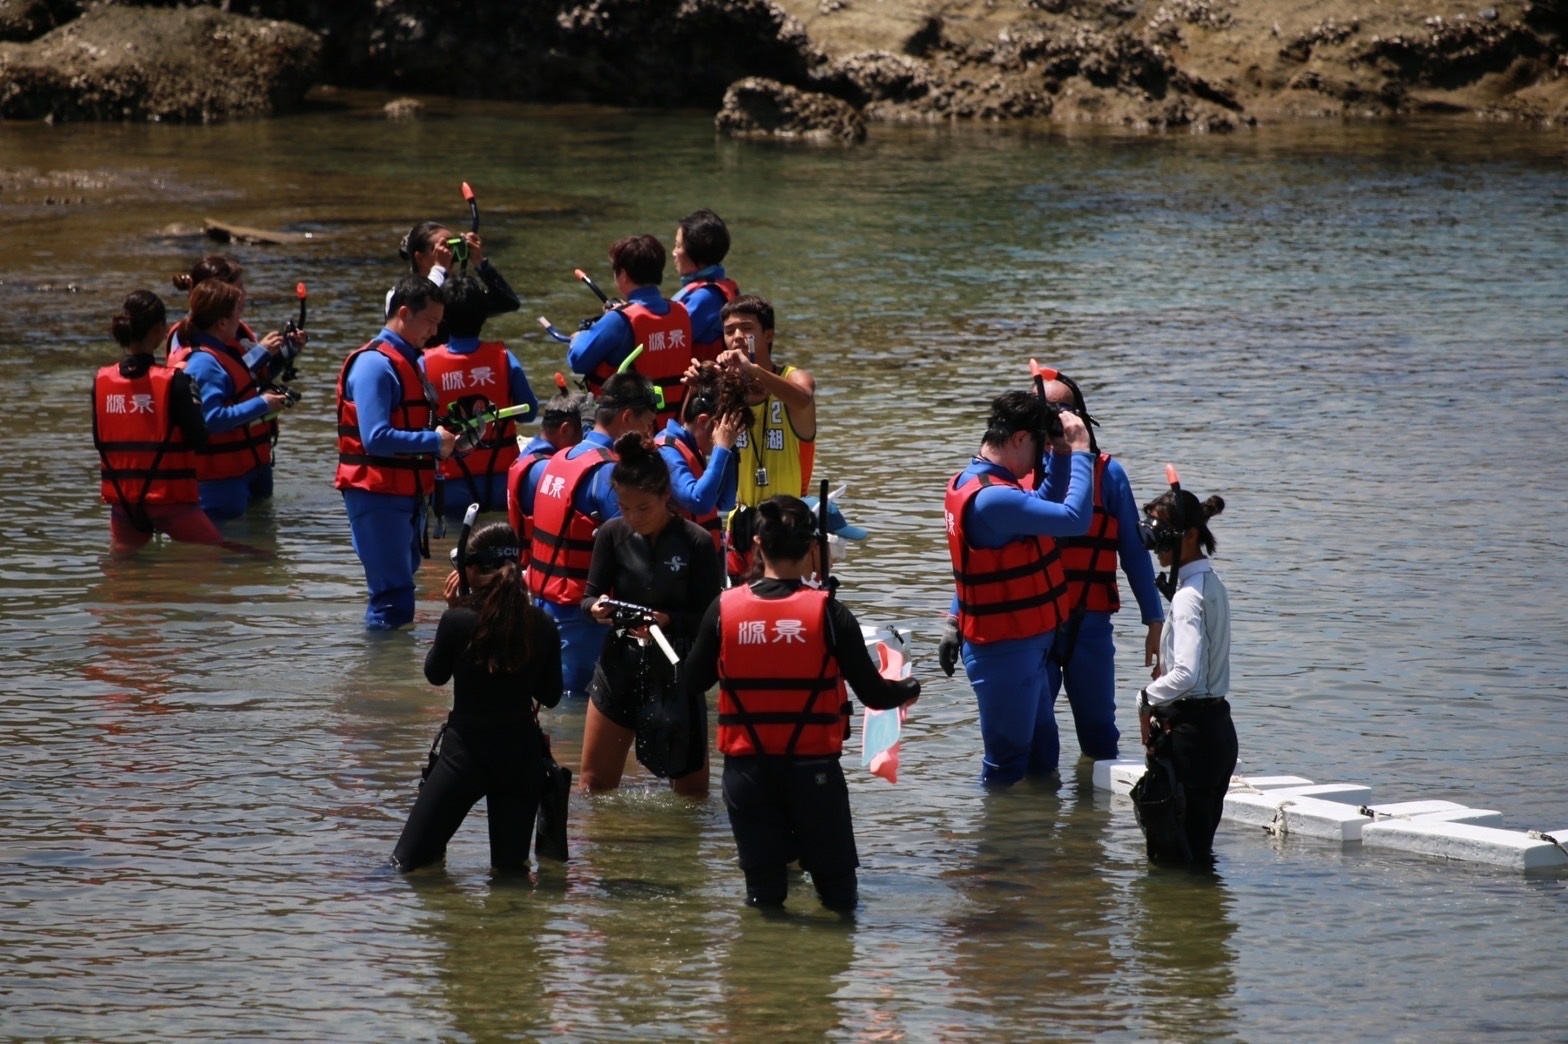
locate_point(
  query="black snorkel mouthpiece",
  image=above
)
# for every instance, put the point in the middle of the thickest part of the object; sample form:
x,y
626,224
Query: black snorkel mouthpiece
x,y
822,537
460,552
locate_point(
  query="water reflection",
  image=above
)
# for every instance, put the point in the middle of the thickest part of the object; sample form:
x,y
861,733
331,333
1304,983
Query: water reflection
x,y
1182,961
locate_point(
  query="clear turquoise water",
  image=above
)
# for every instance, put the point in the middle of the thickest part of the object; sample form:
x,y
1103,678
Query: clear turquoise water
x,y
1353,333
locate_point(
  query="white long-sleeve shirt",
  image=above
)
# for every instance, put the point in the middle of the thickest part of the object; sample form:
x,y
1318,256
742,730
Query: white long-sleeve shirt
x,y
1195,645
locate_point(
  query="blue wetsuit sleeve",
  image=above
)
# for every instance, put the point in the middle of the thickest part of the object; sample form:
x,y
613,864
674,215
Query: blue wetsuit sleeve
x,y
729,486
374,389
608,340
1136,563
704,306
517,384
696,495
213,387
1000,513
596,497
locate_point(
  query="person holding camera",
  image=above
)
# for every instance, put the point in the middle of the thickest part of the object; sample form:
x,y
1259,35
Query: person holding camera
x,y
1012,592
1183,714
781,652
387,451
430,249
1083,659
503,658
642,319
651,558
572,499
702,240
700,448
234,469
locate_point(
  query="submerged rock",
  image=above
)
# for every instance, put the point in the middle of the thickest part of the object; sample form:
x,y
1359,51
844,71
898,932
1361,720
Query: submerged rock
x,y
197,65
761,108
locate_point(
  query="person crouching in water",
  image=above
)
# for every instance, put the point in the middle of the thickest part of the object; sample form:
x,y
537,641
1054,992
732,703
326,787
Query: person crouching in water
x,y
1183,714
781,652
650,557
503,655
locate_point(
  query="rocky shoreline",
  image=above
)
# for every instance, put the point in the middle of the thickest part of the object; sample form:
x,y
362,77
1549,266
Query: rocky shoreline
x,y
805,68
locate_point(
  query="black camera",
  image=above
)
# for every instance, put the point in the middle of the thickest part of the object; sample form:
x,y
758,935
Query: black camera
x,y
626,615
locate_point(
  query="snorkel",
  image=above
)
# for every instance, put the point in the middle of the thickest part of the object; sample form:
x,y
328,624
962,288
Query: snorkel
x,y
604,298
460,552
1166,536
626,364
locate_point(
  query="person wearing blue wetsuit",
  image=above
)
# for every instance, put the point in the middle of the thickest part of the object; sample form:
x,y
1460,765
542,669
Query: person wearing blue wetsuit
x,y
643,317
699,450
1084,658
560,427
702,241
471,374
572,499
387,451
1011,592
235,468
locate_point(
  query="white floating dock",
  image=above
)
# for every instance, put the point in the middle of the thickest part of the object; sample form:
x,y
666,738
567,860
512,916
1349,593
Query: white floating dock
x,y
1281,813
1466,842
1343,812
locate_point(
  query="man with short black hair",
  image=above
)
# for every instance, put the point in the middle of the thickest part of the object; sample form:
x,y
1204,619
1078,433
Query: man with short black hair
x,y
701,242
387,450
642,319
1011,591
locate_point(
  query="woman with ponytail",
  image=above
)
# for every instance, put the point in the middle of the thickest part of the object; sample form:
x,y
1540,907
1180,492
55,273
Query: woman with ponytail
x,y
147,429
1183,714
179,343
503,656
650,557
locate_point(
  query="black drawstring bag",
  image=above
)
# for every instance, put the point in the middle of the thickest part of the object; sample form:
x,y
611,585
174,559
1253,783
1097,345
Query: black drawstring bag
x,y
1160,805
550,825
663,721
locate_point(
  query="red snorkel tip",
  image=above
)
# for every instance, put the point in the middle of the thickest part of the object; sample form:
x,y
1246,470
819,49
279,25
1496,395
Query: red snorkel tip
x,y
1171,476
299,291
468,193
560,382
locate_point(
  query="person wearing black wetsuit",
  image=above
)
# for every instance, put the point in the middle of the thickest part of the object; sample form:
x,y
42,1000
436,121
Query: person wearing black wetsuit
x,y
782,652
503,656
650,557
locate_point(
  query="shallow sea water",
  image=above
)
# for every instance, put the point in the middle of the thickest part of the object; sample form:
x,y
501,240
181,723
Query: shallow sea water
x,y
1355,334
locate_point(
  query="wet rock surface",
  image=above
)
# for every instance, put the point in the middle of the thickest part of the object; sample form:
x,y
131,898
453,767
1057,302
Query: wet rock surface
x,y
122,63
756,108
1157,64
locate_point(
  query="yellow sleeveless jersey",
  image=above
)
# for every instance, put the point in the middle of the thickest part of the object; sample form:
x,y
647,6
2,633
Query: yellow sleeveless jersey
x,y
772,458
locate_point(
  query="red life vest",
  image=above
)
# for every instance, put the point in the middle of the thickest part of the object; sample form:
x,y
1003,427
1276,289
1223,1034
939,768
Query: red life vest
x,y
412,475
176,351
477,381
667,352
1089,561
242,449
522,525
780,691
708,351
710,519
563,536
144,456
1015,591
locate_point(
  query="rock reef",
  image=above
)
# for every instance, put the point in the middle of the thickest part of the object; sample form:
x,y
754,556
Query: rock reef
x,y
786,65
123,63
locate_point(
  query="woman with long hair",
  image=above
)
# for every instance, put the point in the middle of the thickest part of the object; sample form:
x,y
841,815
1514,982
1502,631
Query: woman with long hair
x,y
650,557
502,656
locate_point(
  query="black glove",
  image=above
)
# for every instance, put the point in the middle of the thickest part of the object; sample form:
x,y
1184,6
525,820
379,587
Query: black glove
x,y
948,649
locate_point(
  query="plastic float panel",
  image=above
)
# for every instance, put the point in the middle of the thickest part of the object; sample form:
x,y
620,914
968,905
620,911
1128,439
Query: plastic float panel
x,y
1406,809
1464,842
1268,782
1344,793
1474,816
1304,816
1117,776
